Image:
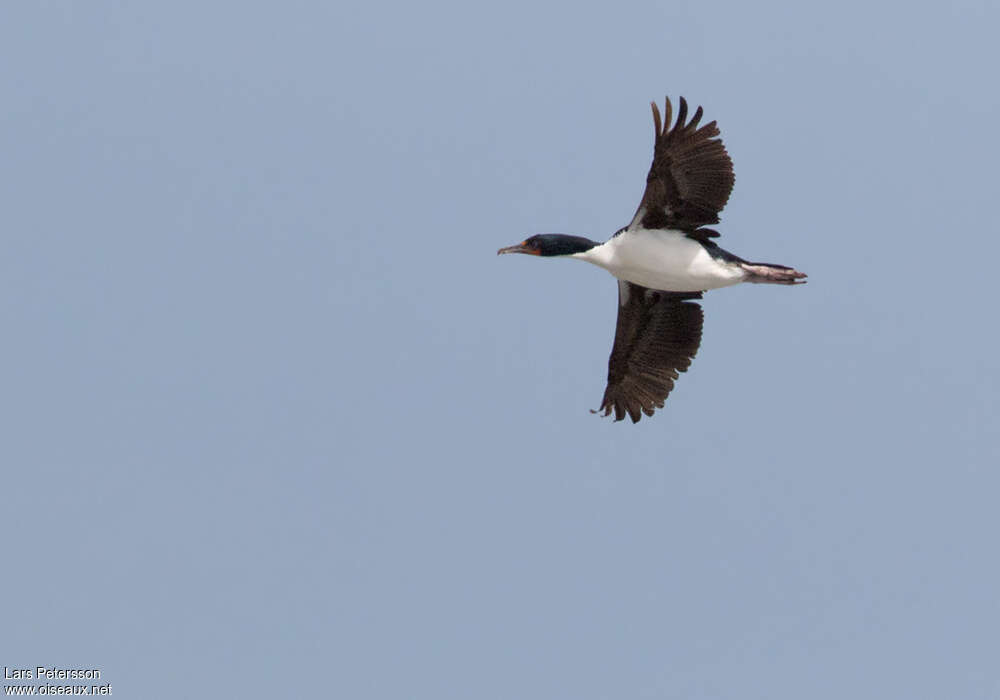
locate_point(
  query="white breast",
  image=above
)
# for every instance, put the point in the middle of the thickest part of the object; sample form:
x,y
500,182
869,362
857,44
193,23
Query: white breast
x,y
663,259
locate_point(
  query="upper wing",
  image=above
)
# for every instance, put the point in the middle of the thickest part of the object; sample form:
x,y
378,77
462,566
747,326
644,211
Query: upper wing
x,y
691,176
657,336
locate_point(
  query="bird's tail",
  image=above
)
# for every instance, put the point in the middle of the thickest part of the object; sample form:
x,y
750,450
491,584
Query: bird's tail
x,y
766,273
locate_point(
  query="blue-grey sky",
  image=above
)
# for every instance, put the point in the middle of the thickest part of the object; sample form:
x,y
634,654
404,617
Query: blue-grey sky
x,y
277,421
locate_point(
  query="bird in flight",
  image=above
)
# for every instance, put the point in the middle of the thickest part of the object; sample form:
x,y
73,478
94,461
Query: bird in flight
x,y
664,260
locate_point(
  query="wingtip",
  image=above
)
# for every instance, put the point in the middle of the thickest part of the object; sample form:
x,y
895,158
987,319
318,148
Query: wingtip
x,y
620,413
693,124
682,112
665,122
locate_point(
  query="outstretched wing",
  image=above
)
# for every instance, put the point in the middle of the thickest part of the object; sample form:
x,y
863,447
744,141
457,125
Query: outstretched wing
x,y
657,336
691,177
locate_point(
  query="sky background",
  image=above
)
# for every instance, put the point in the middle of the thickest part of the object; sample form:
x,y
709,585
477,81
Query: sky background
x,y
278,422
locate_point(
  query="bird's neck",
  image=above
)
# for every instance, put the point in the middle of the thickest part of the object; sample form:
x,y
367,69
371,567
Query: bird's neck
x,y
561,244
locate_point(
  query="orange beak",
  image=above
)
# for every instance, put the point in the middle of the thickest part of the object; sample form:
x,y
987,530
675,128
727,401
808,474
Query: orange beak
x,y
521,247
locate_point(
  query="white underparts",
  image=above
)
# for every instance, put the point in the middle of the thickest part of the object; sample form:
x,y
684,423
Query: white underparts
x,y
663,259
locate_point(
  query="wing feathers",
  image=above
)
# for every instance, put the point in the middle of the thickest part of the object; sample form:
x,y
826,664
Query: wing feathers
x,y
691,176
657,336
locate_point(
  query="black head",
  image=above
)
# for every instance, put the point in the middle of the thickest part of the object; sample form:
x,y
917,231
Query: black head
x,y
550,244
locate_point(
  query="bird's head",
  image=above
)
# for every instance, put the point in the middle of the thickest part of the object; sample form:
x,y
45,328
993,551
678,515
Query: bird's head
x,y
550,244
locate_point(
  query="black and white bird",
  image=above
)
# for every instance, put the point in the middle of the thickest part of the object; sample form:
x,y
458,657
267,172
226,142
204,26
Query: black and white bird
x,y
664,259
